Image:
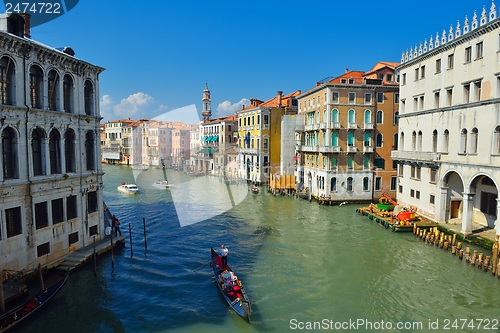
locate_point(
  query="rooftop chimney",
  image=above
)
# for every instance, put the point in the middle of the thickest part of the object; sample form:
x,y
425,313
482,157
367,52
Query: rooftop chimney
x,y
347,70
27,27
280,95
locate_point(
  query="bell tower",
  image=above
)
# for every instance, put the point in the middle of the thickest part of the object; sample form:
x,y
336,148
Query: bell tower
x,y
206,110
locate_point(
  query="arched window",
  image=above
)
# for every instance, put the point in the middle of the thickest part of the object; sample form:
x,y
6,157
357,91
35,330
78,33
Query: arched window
x,y
380,117
9,154
89,150
6,80
54,152
434,140
350,139
324,116
349,184
365,183
335,139
378,140
368,117
36,78
68,93
419,141
351,116
333,184
473,141
37,150
367,140
69,151
463,141
402,141
335,116
495,147
396,118
53,89
88,93
414,141
324,138
395,142
446,141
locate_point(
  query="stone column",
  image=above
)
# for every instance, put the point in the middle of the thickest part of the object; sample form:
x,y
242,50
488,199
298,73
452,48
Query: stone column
x,y
467,213
440,208
497,222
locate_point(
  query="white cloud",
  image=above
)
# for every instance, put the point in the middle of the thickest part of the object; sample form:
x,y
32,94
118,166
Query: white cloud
x,y
186,114
226,108
133,104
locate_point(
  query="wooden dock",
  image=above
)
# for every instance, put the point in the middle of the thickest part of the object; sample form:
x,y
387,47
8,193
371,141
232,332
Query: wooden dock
x,y
85,254
392,223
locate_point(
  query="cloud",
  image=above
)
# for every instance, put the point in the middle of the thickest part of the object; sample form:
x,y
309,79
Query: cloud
x,y
187,114
226,108
133,104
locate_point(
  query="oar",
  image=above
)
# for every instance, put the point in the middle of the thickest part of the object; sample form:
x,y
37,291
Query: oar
x,y
208,263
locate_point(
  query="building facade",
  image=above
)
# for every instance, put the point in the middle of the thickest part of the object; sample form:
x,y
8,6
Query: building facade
x,y
344,150
51,189
449,128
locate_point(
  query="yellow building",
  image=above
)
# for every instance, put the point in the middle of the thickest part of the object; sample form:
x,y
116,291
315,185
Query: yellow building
x,y
259,133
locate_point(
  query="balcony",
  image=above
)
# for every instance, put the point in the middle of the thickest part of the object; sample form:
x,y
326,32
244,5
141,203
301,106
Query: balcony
x,y
352,125
351,149
368,149
253,151
368,126
309,127
322,126
307,149
335,125
329,149
415,156
316,126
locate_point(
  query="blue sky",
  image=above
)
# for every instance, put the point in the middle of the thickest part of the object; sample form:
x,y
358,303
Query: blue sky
x,y
158,55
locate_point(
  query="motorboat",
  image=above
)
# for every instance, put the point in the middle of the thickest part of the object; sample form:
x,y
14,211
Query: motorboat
x,y
128,188
163,184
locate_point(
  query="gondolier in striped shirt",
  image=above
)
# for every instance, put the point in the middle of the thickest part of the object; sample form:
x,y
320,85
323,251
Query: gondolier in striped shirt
x,y
223,253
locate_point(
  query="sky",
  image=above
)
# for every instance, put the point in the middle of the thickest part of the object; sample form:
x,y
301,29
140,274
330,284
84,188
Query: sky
x,y
159,55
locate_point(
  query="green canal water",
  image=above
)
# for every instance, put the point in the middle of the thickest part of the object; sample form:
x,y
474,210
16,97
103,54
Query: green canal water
x,y
305,268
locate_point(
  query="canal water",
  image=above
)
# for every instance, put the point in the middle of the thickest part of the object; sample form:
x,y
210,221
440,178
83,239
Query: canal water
x,y
301,264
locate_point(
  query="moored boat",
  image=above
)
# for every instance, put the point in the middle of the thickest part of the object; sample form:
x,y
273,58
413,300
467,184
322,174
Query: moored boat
x,y
231,287
128,188
23,311
163,184
255,190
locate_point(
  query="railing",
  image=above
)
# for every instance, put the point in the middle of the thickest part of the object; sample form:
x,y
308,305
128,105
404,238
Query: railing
x,y
368,126
351,149
335,124
352,125
322,125
309,127
368,149
415,155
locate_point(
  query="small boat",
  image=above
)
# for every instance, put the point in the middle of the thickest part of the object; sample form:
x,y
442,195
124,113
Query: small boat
x,y
128,188
23,311
234,293
255,190
163,184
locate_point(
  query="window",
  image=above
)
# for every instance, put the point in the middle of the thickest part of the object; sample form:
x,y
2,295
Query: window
x,y
90,151
92,201
496,141
418,173
350,163
366,163
335,97
389,77
396,98
395,142
468,54
450,61
368,99
412,172
417,195
404,79
473,141
6,80
438,66
36,87
394,182
422,72
396,118
67,93
93,230
378,140
266,143
69,150
400,188
489,203
73,238
351,81
466,93
419,141
43,249
349,184
343,81
412,193
13,221
479,50
350,139
433,176
57,211
88,94
352,98
379,163
432,199
266,121
436,99
449,94
477,91
416,74
9,153
463,142
71,207
53,85
37,146
41,215
434,141
380,97
333,184
378,183
365,184
367,139
414,141
446,141
54,152
379,117
351,116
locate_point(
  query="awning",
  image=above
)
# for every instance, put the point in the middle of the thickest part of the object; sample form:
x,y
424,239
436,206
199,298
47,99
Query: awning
x,y
215,138
206,151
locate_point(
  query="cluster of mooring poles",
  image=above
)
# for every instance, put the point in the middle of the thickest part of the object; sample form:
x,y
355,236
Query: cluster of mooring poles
x,y
438,238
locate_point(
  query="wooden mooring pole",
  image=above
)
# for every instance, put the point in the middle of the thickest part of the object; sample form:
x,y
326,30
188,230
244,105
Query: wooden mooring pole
x,y
494,256
95,260
130,236
145,241
41,276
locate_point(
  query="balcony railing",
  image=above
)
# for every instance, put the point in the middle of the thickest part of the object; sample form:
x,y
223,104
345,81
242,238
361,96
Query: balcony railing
x,y
368,149
248,150
368,126
309,127
425,156
352,125
351,149
329,149
335,125
322,125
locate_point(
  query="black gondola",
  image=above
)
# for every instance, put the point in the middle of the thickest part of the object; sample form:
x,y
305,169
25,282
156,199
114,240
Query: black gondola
x,y
233,292
13,317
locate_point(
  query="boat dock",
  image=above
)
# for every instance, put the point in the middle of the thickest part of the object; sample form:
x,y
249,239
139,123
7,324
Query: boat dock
x,y
85,254
389,222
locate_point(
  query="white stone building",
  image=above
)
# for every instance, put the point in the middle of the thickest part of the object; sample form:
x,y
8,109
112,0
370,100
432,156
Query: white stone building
x,y
449,128
51,186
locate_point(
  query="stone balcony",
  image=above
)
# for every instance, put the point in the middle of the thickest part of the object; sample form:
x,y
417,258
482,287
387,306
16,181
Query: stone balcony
x,y
422,156
368,126
368,149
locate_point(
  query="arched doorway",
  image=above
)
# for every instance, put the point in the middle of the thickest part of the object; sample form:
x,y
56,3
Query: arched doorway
x,y
484,203
454,188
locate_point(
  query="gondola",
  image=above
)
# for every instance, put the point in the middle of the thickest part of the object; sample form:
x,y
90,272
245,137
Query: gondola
x,y
235,296
23,311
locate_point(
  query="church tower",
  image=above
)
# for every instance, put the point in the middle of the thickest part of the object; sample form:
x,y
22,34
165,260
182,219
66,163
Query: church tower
x,y
206,110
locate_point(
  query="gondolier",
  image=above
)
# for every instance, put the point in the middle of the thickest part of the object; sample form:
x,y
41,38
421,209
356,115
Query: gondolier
x,y
223,253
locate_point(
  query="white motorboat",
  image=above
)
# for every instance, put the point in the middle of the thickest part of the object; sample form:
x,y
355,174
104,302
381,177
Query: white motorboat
x,y
163,184
128,188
